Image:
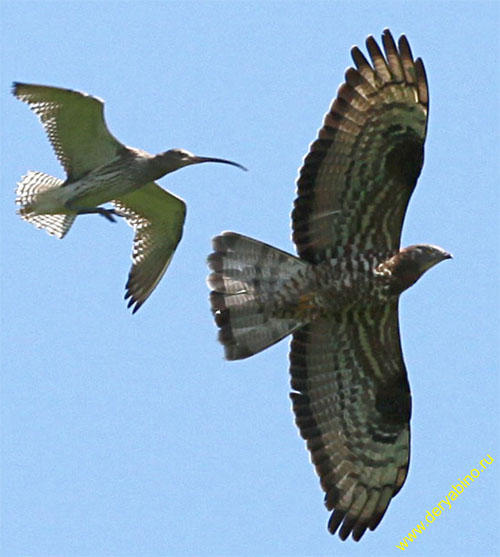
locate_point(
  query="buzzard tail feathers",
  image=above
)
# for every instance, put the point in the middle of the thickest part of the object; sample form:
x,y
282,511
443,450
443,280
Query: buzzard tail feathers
x,y
245,275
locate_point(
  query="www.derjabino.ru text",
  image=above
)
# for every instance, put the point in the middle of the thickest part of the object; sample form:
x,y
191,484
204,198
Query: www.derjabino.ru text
x,y
456,490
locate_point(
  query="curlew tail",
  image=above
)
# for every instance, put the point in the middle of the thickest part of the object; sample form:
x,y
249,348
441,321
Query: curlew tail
x,y
33,191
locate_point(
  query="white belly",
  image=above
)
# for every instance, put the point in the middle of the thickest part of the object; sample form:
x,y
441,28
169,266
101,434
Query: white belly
x,y
88,192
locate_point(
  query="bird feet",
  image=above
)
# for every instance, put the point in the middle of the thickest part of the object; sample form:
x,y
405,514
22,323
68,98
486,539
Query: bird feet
x,y
108,214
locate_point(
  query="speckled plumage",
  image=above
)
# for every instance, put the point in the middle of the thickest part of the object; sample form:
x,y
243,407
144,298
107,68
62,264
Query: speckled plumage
x,y
339,298
101,169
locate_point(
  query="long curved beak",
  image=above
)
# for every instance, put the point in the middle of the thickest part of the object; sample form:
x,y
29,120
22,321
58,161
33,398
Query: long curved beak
x,y
197,159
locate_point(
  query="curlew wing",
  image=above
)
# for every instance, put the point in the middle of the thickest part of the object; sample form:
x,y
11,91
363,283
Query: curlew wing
x,y
352,404
158,218
356,180
75,126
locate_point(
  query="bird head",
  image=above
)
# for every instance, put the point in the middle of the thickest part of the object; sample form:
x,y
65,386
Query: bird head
x,y
424,256
410,263
174,159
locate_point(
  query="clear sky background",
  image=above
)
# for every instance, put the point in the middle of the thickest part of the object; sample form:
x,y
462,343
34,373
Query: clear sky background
x,y
131,436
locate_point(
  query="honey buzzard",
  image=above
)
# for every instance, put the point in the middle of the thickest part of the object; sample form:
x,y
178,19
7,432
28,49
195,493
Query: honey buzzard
x,y
339,297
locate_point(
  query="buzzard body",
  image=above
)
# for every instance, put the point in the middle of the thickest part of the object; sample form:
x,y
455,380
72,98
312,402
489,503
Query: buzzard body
x,y
339,297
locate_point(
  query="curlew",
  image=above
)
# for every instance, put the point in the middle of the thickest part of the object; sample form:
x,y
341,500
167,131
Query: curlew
x,y
99,170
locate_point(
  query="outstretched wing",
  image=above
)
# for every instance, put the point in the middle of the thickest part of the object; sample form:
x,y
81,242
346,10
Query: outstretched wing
x,y
352,405
75,126
356,180
157,218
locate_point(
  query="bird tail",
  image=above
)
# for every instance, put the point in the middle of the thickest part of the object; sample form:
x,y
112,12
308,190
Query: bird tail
x,y
245,275
29,193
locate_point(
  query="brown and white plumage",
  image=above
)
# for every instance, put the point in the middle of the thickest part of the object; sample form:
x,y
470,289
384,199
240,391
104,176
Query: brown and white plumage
x,y
157,218
100,169
358,176
75,126
339,298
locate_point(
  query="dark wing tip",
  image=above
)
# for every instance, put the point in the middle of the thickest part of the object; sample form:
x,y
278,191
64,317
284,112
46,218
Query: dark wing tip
x,y
388,40
359,58
134,294
15,87
335,520
404,47
348,525
372,46
422,84
137,306
132,301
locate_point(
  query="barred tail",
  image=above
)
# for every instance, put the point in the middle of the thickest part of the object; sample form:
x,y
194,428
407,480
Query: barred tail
x,y
29,192
245,275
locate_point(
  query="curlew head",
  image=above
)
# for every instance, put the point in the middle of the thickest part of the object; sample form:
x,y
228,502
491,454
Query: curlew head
x,y
410,263
173,159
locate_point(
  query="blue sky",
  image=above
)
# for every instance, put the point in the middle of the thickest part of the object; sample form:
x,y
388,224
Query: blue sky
x,y
130,435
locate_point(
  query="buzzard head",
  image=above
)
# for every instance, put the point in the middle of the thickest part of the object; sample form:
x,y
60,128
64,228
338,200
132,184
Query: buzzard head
x,y
424,256
410,263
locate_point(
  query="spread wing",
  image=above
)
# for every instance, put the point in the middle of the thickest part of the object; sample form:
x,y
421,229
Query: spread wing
x,y
356,180
74,123
157,218
352,405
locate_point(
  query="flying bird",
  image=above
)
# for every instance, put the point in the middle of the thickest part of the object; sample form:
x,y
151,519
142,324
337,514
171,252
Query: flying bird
x,y
339,297
100,169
